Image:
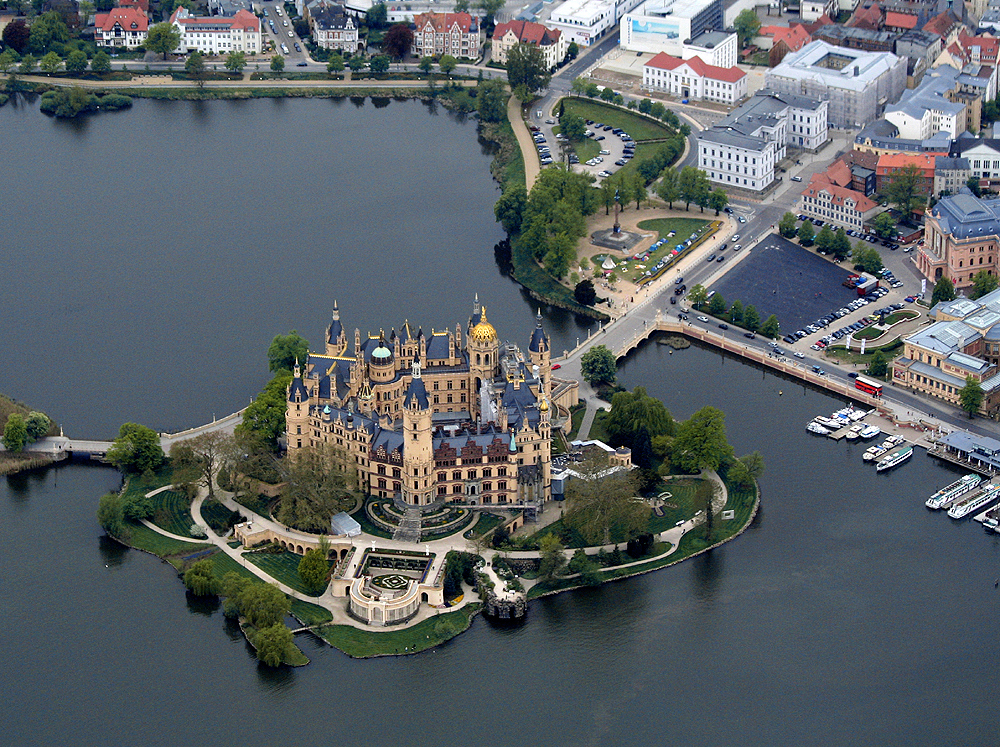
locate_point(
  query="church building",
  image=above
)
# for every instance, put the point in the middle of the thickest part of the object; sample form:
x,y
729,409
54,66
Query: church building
x,y
428,418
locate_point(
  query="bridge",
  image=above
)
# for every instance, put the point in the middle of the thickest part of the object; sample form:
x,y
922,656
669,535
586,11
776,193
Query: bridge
x,y
61,447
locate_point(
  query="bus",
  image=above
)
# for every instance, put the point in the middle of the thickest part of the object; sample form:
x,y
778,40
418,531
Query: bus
x,y
869,386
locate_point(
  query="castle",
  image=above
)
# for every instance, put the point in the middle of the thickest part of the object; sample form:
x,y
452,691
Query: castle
x,y
426,419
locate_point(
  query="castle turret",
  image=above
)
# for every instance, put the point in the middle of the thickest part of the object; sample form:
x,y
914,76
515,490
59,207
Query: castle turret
x,y
418,449
297,411
336,339
540,354
382,367
483,348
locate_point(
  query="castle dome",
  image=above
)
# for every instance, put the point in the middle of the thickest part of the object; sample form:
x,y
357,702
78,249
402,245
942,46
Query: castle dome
x,y
484,331
544,406
381,355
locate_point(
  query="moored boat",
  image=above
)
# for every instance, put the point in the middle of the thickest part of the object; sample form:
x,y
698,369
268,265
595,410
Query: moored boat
x,y
967,505
893,458
870,431
956,490
817,429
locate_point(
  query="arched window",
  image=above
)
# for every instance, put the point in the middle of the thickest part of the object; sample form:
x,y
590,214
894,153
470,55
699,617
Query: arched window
x,y
477,359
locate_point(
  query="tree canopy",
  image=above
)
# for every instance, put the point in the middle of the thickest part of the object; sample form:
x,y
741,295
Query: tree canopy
x,y
317,486
15,433
264,418
598,365
747,25
701,442
313,569
526,70
491,101
634,412
944,290
788,226
162,38
585,293
904,189
983,282
884,225
136,450
601,505
286,350
971,396
398,40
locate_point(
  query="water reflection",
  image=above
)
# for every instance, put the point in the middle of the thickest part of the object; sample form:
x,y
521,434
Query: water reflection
x,y
380,102
205,606
275,679
358,101
706,576
112,553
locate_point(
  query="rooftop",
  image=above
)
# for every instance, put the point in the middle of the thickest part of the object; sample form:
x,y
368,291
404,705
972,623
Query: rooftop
x,y
965,216
836,67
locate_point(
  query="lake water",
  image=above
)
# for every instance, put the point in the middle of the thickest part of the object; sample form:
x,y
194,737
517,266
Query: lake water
x,y
846,614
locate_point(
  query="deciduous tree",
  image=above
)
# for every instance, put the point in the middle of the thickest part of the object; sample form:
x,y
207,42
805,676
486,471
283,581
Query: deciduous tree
x,y
194,66
884,225
50,63
136,450
37,425
313,569
278,63
788,226
491,101
806,234
751,319
698,295
526,67
971,396
770,327
76,62
824,241
111,516
235,62
274,644
718,200
635,411
747,24
598,365
668,189
16,35
982,283
379,64
584,292
944,290
398,40
317,486
601,504
162,38
904,189
377,15
878,366
447,64
15,433
101,63
287,350
335,64
27,65
552,558
841,245
200,578
701,442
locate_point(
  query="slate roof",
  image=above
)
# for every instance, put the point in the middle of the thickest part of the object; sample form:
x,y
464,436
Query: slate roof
x,y
528,33
944,337
965,216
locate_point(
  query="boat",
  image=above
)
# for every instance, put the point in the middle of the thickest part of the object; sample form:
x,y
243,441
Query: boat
x,y
990,521
851,435
873,453
957,489
870,431
817,429
893,440
967,505
857,415
893,458
828,422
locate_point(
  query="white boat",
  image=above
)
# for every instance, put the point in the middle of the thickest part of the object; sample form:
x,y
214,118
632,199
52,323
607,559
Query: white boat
x,y
851,435
893,440
990,521
873,453
857,415
893,458
817,429
971,503
957,489
870,431
828,422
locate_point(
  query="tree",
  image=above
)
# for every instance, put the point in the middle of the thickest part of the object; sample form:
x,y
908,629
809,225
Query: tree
x,y
426,63
462,6
317,486
751,319
592,90
841,245
634,412
526,67
162,38
717,306
747,25
698,295
377,15
379,64
971,396
204,455
668,189
746,470
736,312
587,569
313,570
194,66
101,63
884,225
867,259
770,327
598,365
552,558
262,605
509,209
287,350
235,62
76,62
8,61
983,282
50,63
904,189
718,199
490,8
447,64
398,40
491,101
788,226
694,187
637,187
584,292
136,450
273,644
878,366
973,181
601,504
111,516
16,35
572,50
47,30
944,290
701,442
356,63
579,86
200,578
824,241
278,63
335,64
607,94
573,127
37,425
806,233
15,433
27,65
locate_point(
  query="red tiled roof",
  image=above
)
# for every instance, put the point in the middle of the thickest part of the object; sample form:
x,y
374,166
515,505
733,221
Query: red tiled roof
x,y
940,24
795,36
900,20
527,32
243,19
988,46
890,162
812,28
839,173
701,68
869,17
820,183
442,22
130,19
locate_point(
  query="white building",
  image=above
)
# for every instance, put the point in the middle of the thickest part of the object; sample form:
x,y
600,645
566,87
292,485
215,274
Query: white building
x,y
586,21
121,27
217,35
693,79
923,111
334,29
743,149
813,10
663,25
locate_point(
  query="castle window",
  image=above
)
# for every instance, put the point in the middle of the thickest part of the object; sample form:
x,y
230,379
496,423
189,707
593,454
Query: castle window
x,y
449,384
477,359
435,386
502,485
502,471
463,396
396,487
396,472
442,490
487,486
472,474
456,475
457,489
381,484
449,399
487,472
381,469
435,399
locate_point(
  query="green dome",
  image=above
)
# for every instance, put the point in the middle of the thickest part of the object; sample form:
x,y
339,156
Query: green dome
x,y
381,354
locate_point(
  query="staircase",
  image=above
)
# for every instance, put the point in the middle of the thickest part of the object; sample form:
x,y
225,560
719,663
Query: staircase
x,y
409,527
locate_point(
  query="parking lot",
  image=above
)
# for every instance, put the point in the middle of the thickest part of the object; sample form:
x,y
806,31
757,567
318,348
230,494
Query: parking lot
x,y
783,279
615,146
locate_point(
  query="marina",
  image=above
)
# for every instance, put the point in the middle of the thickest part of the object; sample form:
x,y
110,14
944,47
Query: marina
x,y
946,495
966,506
894,458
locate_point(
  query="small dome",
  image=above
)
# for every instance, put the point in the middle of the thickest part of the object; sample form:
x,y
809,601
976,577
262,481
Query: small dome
x,y
484,331
381,354
544,407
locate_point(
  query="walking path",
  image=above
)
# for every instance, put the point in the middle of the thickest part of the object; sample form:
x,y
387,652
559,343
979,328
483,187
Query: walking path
x,y
528,152
164,81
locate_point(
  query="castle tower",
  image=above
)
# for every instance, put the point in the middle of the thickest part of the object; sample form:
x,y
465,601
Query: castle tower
x,y
418,448
539,352
483,349
381,368
336,339
297,411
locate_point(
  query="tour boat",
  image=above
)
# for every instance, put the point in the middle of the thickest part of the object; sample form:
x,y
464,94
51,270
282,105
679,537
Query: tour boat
x,y
870,431
817,429
956,490
894,457
971,503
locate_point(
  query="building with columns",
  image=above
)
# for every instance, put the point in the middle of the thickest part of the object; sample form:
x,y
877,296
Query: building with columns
x,y
449,416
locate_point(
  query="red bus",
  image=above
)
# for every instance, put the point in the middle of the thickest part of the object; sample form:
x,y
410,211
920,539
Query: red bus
x,y
873,388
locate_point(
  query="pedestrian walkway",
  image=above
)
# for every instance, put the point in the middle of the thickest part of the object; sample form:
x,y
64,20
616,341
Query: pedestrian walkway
x,y
528,152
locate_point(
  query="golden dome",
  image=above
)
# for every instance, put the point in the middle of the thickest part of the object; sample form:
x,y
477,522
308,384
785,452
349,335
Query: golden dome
x,y
544,407
484,331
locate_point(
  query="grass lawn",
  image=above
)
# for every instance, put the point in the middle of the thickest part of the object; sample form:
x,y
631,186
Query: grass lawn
x,y
487,521
868,333
597,429
577,412
636,125
137,484
427,634
257,503
283,567
310,614
144,538
513,172
172,512
367,526
688,495
842,355
901,316
683,227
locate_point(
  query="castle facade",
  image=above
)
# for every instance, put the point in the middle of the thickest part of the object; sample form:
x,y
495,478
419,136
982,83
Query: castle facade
x,y
425,419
